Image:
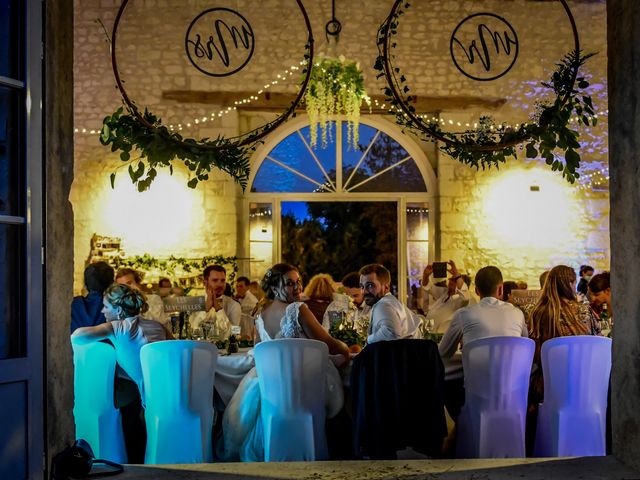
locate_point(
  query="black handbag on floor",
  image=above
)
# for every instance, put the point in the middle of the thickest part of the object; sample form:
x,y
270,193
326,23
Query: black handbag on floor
x,y
77,460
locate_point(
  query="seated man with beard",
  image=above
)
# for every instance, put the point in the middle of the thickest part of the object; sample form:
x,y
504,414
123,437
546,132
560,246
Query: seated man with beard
x,y
390,319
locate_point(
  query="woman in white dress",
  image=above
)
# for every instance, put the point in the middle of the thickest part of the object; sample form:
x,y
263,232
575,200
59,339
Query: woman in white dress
x,y
282,316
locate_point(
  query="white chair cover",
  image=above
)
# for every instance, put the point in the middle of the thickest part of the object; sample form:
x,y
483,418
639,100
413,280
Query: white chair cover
x,y
572,418
292,374
96,418
178,379
496,379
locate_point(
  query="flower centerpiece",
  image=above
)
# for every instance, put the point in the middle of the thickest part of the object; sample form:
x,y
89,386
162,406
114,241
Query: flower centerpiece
x,y
336,86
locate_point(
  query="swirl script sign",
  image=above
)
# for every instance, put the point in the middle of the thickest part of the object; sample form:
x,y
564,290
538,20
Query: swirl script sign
x,y
219,42
484,46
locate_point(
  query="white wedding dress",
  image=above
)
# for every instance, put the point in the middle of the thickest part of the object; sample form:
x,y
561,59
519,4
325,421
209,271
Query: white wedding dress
x,y
241,423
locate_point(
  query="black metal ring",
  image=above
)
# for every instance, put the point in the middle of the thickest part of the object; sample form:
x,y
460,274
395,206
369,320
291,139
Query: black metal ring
x,y
333,27
242,140
393,83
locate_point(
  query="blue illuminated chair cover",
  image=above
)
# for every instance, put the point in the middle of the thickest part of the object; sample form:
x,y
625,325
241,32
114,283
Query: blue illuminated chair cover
x,y
572,418
178,381
292,376
97,420
496,381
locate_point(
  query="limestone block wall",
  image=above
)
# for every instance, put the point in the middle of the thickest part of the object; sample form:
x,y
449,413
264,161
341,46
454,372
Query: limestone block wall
x,y
207,220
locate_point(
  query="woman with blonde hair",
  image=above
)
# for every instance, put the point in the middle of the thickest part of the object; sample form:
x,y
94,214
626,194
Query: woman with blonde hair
x,y
319,294
125,329
557,313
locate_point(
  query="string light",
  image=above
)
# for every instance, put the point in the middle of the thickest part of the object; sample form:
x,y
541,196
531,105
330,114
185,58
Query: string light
x,y
377,104
179,126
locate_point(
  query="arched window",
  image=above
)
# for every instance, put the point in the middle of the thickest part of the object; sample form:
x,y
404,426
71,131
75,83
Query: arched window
x,y
297,192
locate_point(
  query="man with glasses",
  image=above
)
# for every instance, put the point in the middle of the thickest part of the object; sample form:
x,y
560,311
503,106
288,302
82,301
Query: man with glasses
x,y
390,319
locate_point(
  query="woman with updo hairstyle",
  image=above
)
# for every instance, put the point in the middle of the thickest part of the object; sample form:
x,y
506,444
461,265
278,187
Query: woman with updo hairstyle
x,y
282,315
127,331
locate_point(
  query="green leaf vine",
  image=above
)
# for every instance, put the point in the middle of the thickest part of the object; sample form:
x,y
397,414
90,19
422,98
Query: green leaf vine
x,y
175,266
157,147
549,135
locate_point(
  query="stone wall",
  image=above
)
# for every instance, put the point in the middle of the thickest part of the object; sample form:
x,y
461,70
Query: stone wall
x,y
149,46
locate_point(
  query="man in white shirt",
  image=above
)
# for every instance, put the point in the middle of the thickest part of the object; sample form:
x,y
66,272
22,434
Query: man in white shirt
x,y
219,309
390,319
248,302
442,298
491,317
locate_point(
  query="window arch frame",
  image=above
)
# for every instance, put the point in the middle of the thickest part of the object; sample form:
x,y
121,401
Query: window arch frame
x,y
399,197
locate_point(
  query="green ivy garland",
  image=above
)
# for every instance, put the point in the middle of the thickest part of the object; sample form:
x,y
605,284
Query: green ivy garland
x,y
490,144
172,265
336,86
158,147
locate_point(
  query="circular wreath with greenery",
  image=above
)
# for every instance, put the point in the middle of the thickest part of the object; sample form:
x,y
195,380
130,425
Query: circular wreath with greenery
x,y
129,129
490,144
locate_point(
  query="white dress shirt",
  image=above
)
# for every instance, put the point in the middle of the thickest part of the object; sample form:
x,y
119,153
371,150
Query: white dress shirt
x,y
489,318
230,312
443,308
390,320
248,302
247,305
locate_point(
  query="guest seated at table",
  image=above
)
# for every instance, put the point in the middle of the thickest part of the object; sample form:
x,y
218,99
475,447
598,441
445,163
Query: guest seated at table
x,y
125,328
390,319
220,309
257,292
442,297
507,287
586,272
319,294
600,294
491,317
87,311
283,316
155,310
344,303
164,287
557,313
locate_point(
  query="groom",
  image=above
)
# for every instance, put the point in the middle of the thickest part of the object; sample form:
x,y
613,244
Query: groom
x,y
390,319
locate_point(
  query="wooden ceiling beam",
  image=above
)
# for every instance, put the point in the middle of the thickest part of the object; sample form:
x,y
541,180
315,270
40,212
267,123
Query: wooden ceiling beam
x,y
277,102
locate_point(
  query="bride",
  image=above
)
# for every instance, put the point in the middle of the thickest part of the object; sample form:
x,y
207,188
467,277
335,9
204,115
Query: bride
x,y
283,316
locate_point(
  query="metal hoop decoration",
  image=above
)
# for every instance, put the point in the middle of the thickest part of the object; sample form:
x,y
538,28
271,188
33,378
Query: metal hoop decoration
x,y
242,140
393,84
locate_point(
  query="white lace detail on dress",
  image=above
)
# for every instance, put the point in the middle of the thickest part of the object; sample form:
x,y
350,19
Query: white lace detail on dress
x,y
289,325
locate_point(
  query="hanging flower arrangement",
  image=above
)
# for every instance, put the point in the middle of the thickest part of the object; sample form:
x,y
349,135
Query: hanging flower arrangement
x,y
336,86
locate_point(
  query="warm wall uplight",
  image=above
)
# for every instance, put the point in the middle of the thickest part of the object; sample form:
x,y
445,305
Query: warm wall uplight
x,y
532,209
156,221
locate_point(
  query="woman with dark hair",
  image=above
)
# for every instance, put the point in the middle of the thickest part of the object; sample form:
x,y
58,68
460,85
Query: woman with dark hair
x,y
506,290
125,329
282,315
600,294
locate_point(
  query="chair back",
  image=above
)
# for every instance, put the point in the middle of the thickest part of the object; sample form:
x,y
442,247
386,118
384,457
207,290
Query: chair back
x,y
397,395
292,376
496,381
178,378
572,418
96,418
